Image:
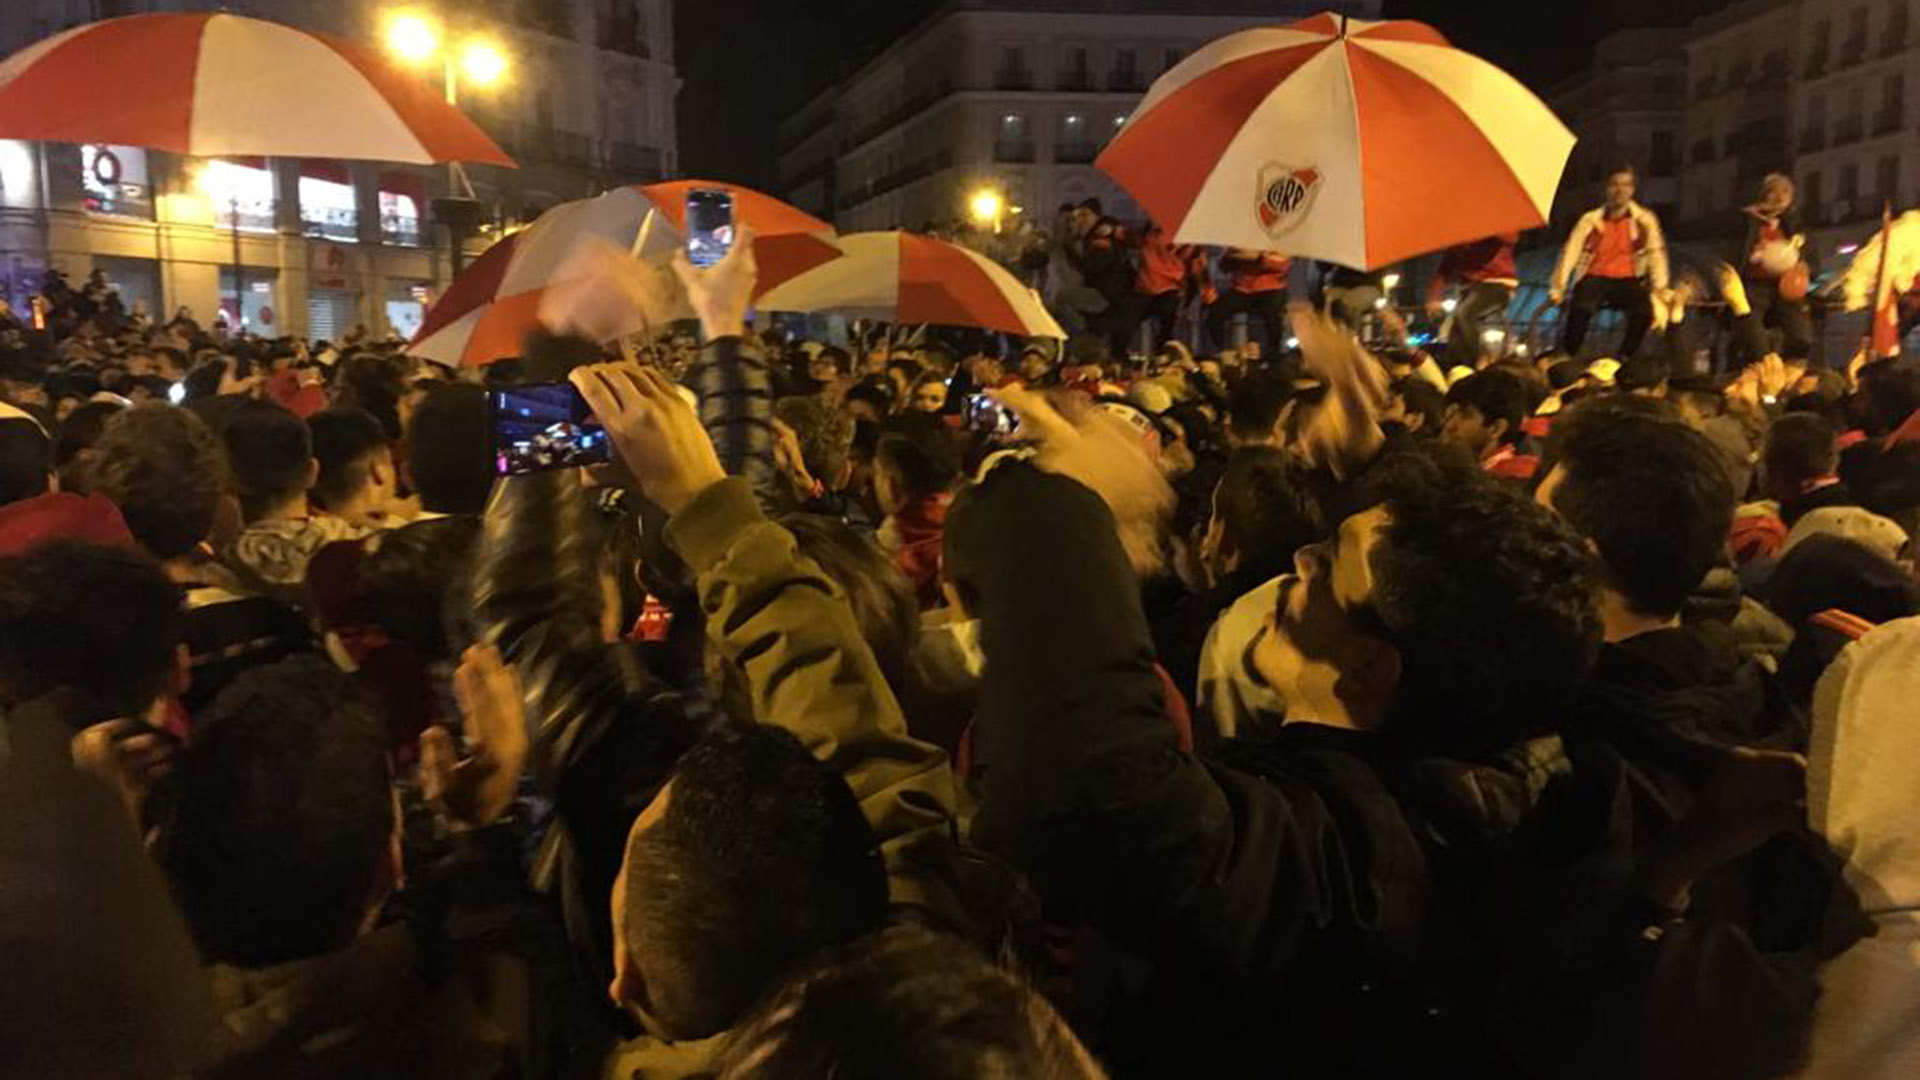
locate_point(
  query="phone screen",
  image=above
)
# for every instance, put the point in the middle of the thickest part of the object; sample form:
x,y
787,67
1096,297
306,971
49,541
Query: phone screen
x,y
543,426
988,415
709,225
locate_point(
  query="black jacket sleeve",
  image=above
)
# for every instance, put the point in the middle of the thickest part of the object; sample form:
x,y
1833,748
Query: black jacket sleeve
x,y
1084,787
735,388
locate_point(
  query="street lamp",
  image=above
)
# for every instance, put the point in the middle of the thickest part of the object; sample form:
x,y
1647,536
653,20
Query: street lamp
x,y
985,207
217,187
415,38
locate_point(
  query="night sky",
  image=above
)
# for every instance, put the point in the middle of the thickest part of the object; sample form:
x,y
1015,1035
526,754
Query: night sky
x,y
748,63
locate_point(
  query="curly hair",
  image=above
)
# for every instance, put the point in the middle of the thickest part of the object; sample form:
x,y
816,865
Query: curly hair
x,y
1490,599
166,471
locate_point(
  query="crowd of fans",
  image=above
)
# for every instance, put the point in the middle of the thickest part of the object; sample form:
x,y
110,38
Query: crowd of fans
x,y
953,707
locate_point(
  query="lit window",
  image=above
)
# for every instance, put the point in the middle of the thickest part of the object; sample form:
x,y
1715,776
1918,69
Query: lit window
x,y
242,191
328,208
399,219
114,180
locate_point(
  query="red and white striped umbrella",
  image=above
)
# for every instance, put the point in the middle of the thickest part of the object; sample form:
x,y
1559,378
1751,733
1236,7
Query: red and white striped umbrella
x,y
489,308
905,278
1360,143
212,85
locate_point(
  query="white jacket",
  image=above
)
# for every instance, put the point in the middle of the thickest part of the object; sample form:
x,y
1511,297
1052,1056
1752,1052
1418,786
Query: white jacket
x,y
1649,248
1863,795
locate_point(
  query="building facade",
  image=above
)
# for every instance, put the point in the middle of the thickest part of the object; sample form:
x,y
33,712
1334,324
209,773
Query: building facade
x,y
314,247
1016,100
1627,109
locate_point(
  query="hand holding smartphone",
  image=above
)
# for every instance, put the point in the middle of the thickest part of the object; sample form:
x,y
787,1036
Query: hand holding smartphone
x,y
542,426
709,225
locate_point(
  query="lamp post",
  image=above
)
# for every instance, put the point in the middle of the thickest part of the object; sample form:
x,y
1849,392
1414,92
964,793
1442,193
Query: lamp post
x,y
415,38
212,185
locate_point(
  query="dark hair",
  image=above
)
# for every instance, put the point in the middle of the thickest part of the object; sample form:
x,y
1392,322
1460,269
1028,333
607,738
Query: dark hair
x,y
268,449
447,451
1256,404
283,814
1092,204
726,895
1654,496
1623,167
1495,395
1889,394
925,462
345,439
880,596
26,459
1801,447
101,621
1422,397
81,430
374,383
1265,515
841,360
824,432
416,582
166,472
905,1002
1489,598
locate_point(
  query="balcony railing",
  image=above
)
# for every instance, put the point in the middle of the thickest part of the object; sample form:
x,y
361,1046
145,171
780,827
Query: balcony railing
x,y
1126,82
1013,79
1889,120
1079,81
1848,130
1854,51
1813,139
330,223
1013,151
252,218
916,104
633,160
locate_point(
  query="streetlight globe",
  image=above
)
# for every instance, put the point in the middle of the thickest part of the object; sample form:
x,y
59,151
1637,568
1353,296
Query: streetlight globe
x,y
1391,281
481,63
985,206
412,37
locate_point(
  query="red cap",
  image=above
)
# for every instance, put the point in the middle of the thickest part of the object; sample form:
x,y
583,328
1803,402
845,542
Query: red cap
x,y
61,516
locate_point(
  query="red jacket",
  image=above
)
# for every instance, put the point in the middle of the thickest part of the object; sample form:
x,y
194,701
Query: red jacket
x,y
920,533
1165,265
1488,259
1254,271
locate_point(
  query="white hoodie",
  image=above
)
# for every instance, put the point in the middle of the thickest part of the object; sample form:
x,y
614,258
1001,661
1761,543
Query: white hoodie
x,y
1863,795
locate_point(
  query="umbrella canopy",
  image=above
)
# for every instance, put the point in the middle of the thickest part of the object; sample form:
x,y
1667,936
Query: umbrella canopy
x,y
494,302
1360,143
212,85
904,278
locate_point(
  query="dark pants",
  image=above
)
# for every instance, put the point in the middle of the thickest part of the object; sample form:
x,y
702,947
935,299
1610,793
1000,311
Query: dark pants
x,y
1771,310
1264,310
1123,320
1479,310
1625,295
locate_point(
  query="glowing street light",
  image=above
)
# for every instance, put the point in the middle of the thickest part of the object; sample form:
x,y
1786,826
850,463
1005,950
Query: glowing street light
x,y
412,36
1391,281
1449,304
985,206
482,63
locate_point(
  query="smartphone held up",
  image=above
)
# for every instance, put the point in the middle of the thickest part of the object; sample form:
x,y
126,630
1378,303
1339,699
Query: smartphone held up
x,y
543,426
709,225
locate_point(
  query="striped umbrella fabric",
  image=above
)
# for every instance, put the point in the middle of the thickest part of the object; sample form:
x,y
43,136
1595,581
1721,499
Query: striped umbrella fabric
x,y
902,277
213,85
489,308
1360,143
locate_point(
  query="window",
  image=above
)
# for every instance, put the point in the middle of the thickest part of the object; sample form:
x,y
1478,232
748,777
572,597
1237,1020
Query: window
x,y
1013,74
1170,60
1818,48
1895,39
113,180
1126,71
1886,178
402,196
256,291
329,207
241,189
1012,145
1076,71
1661,161
1893,97
1075,145
623,28
1855,47
1849,182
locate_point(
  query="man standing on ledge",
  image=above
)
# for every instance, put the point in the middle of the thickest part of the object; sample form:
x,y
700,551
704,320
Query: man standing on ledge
x,y
1618,257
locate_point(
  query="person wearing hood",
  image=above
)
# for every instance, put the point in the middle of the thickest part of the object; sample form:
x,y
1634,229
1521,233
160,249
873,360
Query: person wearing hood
x,y
1298,888
1861,797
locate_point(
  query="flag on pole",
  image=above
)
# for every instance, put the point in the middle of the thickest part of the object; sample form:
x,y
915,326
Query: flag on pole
x,y
1884,339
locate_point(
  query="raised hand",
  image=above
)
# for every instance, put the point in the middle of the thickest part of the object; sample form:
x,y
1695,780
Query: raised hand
x,y
477,789
721,294
1342,433
602,292
654,429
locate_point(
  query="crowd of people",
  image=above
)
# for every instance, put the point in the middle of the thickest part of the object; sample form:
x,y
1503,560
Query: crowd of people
x,y
949,706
